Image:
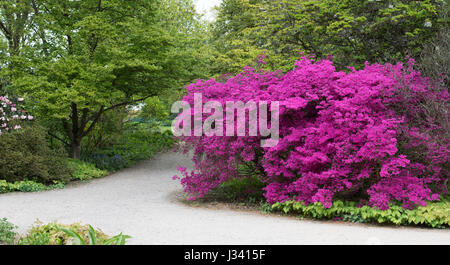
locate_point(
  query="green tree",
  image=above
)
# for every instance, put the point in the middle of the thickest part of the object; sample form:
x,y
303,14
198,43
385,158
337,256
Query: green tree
x,y
98,55
154,109
353,31
16,23
191,54
236,35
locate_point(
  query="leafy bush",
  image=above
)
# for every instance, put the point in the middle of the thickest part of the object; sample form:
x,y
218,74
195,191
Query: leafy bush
x,y
85,171
120,239
27,186
26,155
240,190
362,134
7,234
436,214
51,234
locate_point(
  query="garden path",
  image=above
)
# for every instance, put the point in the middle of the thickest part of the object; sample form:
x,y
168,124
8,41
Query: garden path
x,y
143,201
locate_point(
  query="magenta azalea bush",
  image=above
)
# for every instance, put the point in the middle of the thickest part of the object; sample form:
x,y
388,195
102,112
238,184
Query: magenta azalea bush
x,y
364,134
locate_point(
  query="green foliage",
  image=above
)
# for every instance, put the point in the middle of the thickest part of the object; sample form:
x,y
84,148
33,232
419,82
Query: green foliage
x,y
73,234
436,215
80,170
7,234
235,35
153,109
266,208
58,234
248,188
26,155
92,236
352,31
88,58
434,59
85,171
134,146
103,56
27,186
190,55
107,131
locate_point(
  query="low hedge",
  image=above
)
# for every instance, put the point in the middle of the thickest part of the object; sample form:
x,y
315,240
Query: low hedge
x,y
27,186
436,214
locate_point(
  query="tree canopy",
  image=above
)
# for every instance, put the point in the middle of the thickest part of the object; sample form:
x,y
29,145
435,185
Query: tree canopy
x,y
352,31
79,59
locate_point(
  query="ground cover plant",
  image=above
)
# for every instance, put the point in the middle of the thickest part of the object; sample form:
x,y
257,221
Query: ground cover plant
x,y
366,135
7,234
436,214
58,234
27,186
85,171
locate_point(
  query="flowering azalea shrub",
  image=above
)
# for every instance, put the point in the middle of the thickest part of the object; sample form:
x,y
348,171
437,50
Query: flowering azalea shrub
x,y
11,114
362,135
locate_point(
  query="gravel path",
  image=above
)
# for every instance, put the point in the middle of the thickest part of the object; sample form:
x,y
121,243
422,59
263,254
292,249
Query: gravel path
x,y
142,202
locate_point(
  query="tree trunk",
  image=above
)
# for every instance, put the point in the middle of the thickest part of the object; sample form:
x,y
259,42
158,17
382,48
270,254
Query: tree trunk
x,y
75,149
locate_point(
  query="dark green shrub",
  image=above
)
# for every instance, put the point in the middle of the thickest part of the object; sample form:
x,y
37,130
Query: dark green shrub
x,y
26,155
246,190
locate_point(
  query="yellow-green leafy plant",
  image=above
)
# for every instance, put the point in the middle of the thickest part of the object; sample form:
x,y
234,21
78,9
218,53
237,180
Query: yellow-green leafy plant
x,y
119,239
436,214
73,234
7,233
